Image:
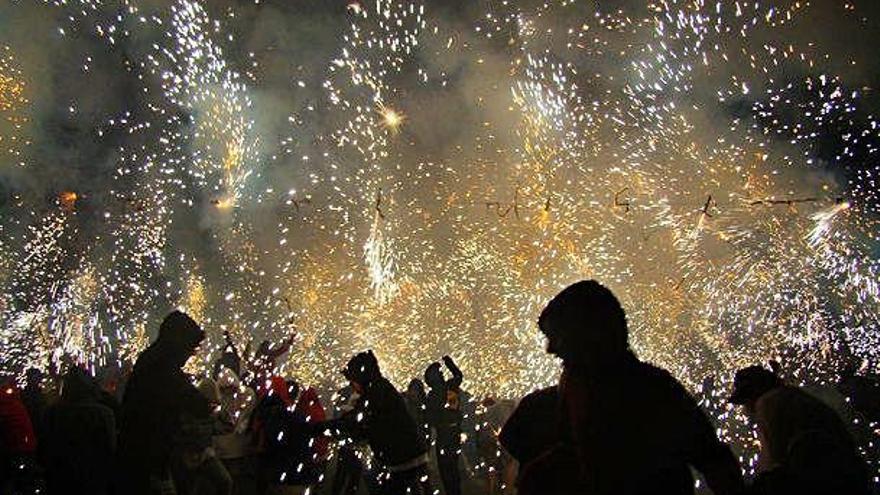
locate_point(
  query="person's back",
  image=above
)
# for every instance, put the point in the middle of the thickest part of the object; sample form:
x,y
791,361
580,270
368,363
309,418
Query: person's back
x,y
80,439
157,397
614,425
808,443
533,427
639,431
391,432
287,456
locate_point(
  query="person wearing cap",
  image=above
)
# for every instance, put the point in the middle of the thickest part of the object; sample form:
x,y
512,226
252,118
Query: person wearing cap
x,y
613,424
158,400
380,416
805,446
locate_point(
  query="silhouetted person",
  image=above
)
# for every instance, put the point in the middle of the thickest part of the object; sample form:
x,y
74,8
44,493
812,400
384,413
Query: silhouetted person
x,y
33,395
288,462
863,391
80,439
380,416
228,358
443,413
415,402
159,399
621,426
805,446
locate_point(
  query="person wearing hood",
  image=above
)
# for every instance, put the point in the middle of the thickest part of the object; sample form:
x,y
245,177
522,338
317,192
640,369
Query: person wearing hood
x,y
80,439
381,417
614,424
443,412
159,401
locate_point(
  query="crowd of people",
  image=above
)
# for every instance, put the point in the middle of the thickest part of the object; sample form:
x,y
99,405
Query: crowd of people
x,y
612,425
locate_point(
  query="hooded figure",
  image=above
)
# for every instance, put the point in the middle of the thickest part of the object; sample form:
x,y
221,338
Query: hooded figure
x,y
158,398
381,417
614,425
80,439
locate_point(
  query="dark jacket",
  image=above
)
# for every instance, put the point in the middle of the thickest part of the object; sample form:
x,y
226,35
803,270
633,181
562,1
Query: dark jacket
x,y
158,397
380,416
629,429
443,405
80,439
387,425
288,457
533,428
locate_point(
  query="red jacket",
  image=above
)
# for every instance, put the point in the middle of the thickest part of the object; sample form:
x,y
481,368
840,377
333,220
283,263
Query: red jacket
x,y
16,430
310,404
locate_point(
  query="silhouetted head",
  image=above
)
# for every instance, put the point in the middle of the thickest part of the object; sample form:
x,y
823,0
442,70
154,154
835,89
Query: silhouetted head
x,y
415,390
179,335
33,377
749,384
585,325
434,376
362,368
78,386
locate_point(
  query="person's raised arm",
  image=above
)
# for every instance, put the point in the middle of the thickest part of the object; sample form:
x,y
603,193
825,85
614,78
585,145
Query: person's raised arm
x,y
457,377
282,348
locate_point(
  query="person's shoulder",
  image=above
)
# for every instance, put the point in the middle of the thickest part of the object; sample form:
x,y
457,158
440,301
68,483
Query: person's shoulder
x,y
382,388
791,395
656,375
540,397
658,383
96,409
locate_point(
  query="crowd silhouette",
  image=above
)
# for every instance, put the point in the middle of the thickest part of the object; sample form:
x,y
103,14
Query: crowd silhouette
x,y
612,425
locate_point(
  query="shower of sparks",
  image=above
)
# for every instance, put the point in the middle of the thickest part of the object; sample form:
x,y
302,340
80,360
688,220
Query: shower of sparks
x,y
824,219
13,102
715,170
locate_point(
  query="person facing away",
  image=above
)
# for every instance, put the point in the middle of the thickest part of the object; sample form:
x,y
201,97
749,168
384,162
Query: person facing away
x,y
380,416
33,395
158,400
614,424
805,446
287,463
443,413
80,439
416,396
